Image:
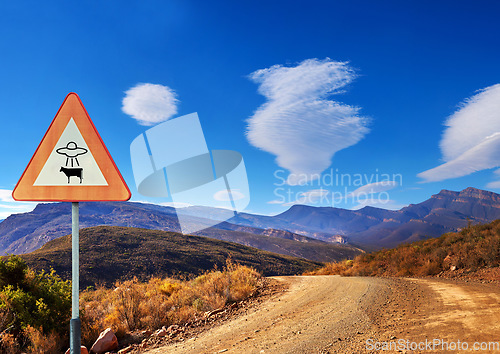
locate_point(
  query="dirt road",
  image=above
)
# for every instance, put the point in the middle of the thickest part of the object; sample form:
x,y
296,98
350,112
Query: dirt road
x,y
332,314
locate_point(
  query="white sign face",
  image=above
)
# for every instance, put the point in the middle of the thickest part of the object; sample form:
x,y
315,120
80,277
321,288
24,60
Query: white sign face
x,y
71,163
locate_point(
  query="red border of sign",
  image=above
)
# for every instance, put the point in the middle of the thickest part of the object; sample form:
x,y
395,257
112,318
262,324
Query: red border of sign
x,y
116,190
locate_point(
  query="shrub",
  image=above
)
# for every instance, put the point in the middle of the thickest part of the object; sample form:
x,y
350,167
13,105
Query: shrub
x,y
472,248
35,307
168,287
161,302
9,344
127,298
41,343
30,299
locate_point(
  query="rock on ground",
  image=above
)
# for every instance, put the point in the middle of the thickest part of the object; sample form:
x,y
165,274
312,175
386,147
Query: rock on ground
x,y
106,342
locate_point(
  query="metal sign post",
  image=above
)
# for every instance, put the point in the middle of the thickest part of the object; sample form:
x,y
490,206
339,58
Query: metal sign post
x,y
72,164
75,324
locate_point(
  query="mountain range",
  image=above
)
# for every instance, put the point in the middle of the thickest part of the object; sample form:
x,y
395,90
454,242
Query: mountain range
x,y
24,233
316,233
370,227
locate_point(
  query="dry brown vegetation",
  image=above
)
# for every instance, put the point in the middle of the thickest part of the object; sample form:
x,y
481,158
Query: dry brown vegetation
x,y
473,248
133,305
128,306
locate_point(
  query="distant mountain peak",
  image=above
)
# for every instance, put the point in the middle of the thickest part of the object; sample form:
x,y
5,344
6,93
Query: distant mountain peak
x,y
472,189
370,208
301,206
479,193
445,193
469,192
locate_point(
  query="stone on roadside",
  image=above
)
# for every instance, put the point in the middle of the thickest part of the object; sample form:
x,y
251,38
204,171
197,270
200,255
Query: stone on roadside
x,y
106,342
161,332
173,328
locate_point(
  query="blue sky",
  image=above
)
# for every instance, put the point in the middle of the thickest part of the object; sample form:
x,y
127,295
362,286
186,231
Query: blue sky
x,y
347,87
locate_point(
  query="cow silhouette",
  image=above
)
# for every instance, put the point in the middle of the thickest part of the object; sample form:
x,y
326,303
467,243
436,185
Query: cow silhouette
x,y
72,172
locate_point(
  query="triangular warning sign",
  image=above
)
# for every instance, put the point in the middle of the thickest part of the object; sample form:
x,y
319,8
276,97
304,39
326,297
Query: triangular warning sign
x,y
72,162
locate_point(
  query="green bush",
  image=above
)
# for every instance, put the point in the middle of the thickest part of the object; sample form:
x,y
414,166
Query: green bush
x,y
33,299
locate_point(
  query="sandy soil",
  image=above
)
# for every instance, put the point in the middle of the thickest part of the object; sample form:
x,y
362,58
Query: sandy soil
x,y
332,314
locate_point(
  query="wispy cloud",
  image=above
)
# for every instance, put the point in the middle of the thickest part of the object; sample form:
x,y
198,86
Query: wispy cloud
x,y
18,207
225,196
483,156
8,206
369,194
150,104
275,201
495,184
471,141
298,123
313,196
6,195
373,188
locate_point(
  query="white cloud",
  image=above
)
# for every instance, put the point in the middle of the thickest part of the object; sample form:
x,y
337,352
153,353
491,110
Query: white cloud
x,y
150,104
17,207
312,196
4,214
477,118
276,201
495,184
373,188
6,195
224,196
298,123
315,194
364,194
9,206
471,140
7,210
483,156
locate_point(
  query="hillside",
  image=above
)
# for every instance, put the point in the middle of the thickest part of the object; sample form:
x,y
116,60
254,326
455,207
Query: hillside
x,y
23,233
372,227
26,232
110,253
473,249
308,248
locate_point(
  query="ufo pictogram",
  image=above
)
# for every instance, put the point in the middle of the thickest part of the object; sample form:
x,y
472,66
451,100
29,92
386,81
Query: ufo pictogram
x,y
72,151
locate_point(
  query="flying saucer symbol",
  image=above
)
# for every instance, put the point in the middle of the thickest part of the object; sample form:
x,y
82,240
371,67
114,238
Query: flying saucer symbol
x,y
72,151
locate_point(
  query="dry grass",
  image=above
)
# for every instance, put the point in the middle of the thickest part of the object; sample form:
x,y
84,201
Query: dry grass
x,y
129,306
8,344
42,343
133,305
473,248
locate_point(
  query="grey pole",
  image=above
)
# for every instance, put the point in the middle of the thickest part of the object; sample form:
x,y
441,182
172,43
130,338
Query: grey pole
x,y
75,324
